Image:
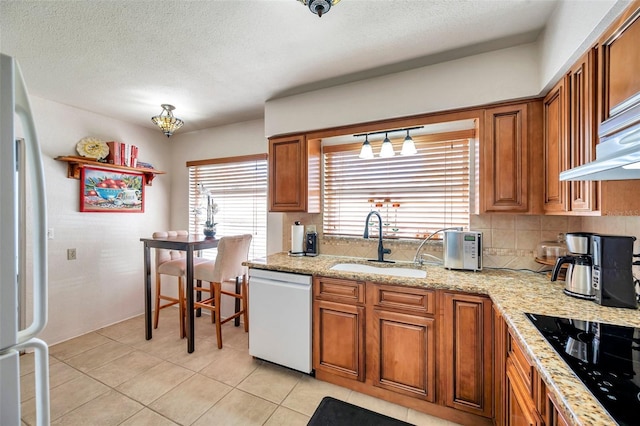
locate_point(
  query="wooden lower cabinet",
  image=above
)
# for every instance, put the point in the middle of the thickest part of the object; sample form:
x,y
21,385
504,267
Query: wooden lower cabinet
x,y
403,353
499,366
519,405
338,339
386,341
554,416
521,396
467,359
339,327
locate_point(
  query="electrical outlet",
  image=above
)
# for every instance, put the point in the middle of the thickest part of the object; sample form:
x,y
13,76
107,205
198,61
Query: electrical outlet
x,y
50,234
71,254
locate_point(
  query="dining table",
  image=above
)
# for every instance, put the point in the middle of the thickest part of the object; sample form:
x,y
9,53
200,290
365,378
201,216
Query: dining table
x,y
190,244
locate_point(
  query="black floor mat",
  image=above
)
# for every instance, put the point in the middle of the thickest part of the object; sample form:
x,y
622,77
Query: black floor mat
x,y
333,412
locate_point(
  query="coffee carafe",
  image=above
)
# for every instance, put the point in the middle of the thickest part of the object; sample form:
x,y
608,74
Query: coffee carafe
x,y
578,281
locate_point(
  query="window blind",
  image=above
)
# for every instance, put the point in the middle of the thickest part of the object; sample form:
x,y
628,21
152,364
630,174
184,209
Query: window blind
x,y
239,186
415,195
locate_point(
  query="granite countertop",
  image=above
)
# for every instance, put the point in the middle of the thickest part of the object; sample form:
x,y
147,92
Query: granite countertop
x,y
513,293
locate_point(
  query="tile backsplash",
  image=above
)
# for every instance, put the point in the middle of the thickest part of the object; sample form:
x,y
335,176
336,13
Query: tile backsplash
x,y
509,241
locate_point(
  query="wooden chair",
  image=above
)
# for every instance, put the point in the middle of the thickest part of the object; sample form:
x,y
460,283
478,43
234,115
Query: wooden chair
x,y
232,251
172,263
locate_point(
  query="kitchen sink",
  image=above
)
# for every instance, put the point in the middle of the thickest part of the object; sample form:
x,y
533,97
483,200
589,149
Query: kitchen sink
x,y
396,271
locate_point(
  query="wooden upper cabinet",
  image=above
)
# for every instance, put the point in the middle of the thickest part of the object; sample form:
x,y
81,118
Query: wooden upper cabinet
x,y
511,145
555,153
619,64
583,133
467,358
570,138
294,174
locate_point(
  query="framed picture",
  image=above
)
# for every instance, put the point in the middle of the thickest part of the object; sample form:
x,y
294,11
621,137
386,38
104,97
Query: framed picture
x,y
111,191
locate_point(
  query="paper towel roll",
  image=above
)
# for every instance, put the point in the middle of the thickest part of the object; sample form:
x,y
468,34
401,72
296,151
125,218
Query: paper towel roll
x,y
297,238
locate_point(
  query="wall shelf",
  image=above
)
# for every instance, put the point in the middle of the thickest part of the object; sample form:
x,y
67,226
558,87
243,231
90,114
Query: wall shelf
x,y
75,164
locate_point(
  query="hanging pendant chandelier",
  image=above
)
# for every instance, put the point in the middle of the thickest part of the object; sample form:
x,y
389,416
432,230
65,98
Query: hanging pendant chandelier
x,y
166,121
319,7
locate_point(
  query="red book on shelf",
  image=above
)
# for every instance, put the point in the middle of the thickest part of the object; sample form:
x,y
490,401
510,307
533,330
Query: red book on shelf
x,y
123,154
134,156
114,153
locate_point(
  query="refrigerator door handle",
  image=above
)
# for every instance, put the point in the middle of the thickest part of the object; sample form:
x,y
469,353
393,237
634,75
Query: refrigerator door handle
x,y
36,170
41,356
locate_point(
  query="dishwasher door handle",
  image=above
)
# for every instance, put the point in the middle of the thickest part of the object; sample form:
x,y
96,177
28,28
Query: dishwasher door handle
x,y
262,281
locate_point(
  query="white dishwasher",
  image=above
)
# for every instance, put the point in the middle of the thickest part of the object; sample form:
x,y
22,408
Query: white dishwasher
x,y
280,318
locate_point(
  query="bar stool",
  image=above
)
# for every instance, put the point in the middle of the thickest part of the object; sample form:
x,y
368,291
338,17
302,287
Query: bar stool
x,y
172,263
232,251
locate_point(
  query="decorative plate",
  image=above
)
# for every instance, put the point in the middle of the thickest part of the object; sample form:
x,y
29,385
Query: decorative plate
x,y
92,148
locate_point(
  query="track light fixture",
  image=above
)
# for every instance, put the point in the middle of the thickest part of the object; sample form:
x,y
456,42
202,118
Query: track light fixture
x,y
386,150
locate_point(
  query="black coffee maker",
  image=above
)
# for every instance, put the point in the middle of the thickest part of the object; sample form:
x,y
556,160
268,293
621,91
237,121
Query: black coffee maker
x,y
612,277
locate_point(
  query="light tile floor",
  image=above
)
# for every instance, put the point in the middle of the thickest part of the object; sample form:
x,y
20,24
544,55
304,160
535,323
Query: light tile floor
x,y
114,376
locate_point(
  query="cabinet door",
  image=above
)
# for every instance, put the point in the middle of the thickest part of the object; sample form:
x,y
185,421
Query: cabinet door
x,y
466,334
499,365
619,65
294,174
505,163
520,409
555,148
582,130
554,416
403,355
338,339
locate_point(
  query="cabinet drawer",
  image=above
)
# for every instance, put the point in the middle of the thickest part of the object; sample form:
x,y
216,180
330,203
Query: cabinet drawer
x,y
521,363
345,291
409,299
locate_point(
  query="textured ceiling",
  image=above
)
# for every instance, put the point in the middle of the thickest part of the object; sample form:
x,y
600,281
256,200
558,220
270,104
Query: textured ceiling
x,y
219,61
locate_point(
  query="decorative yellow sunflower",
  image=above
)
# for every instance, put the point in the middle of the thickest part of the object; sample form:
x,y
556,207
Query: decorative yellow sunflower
x,y
92,148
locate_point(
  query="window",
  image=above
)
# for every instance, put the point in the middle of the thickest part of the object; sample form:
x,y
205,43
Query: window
x,y
415,195
239,187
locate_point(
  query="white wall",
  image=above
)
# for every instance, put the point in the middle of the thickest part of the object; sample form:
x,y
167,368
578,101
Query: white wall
x,y
104,284
521,71
238,139
489,77
573,28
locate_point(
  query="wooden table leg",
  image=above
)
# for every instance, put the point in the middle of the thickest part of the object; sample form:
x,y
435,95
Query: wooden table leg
x,y
147,291
190,319
199,299
236,321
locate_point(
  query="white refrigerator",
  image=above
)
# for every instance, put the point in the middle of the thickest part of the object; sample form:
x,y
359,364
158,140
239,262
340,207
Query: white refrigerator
x,y
22,208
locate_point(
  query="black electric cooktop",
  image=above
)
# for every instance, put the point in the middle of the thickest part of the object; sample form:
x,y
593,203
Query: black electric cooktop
x,y
605,357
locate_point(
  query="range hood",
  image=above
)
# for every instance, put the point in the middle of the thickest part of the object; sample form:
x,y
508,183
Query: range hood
x,y
617,154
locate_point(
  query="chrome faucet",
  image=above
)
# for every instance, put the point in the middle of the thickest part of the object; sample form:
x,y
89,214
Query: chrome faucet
x,y
417,259
381,250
